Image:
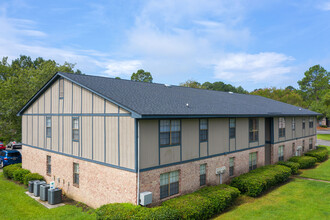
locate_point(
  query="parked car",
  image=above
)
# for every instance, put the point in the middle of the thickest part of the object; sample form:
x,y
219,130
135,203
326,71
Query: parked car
x,y
8,157
2,147
13,146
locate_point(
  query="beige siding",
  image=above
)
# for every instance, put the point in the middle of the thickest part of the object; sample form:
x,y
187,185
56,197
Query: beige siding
x,y
149,143
190,138
55,133
24,129
29,133
98,139
169,154
75,146
98,103
55,97
61,139
261,131
42,134
67,96
218,135
35,130
112,140
298,127
86,139
232,144
242,133
127,142
87,101
123,111
47,101
111,108
41,101
67,135
203,149
35,107
76,99
288,128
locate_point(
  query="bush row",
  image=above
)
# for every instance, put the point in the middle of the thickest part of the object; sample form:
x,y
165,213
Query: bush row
x,y
304,161
257,181
292,165
8,171
321,154
16,173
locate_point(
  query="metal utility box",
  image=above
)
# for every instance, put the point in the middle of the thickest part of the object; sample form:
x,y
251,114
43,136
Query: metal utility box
x,y
36,187
44,192
54,196
31,184
145,198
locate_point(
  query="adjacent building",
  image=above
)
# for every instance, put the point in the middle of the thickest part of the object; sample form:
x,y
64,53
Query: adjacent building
x,y
105,140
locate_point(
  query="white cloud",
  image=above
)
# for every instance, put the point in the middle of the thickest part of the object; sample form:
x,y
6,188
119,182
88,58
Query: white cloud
x,y
117,68
324,6
242,67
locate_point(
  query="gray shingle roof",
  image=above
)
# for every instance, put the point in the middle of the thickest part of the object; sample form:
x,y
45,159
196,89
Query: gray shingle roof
x,y
158,100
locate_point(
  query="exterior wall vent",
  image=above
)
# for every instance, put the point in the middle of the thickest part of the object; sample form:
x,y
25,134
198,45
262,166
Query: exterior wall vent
x,y
145,198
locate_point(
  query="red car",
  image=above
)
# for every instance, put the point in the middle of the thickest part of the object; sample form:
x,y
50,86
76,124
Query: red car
x,y
2,147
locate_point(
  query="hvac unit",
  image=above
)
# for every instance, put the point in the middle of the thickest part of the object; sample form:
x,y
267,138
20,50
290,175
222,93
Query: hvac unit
x,y
36,187
44,192
145,198
54,196
31,185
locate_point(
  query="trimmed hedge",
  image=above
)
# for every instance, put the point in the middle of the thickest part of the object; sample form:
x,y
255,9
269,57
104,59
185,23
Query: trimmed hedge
x,y
292,165
203,203
20,174
8,171
32,176
321,154
257,181
127,211
304,161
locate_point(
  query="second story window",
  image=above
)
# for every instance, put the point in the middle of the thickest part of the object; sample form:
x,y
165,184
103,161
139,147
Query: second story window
x,y
232,128
303,123
203,130
253,129
293,124
75,129
169,132
61,81
48,127
311,122
281,127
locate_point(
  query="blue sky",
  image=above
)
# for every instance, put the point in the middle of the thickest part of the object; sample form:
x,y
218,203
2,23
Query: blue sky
x,y
252,43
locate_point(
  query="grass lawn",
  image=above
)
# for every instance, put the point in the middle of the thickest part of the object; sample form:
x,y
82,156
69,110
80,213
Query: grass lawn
x,y
299,199
15,204
324,137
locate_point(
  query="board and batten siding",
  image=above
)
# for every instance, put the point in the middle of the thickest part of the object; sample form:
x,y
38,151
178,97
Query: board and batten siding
x,y
107,137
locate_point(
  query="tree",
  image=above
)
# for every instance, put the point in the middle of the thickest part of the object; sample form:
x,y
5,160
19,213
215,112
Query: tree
x,y
221,86
141,76
191,84
19,81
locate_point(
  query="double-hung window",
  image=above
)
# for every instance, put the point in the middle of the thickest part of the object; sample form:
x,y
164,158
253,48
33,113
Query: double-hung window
x,y
76,174
281,153
232,128
231,166
293,124
169,132
75,129
281,127
310,143
293,149
202,174
253,161
61,95
203,130
303,123
169,184
48,127
311,122
253,129
49,165
303,146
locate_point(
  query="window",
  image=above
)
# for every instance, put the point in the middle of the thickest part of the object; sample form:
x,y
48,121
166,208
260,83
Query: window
x,y
49,165
203,130
281,127
293,149
253,129
232,128
231,166
48,127
61,88
303,124
169,184
303,146
202,174
76,174
311,143
170,132
75,129
293,124
252,161
280,153
311,122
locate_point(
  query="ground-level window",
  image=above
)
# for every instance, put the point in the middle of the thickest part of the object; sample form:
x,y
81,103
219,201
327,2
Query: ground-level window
x,y
202,174
48,127
281,153
231,166
253,160
281,127
49,165
169,132
169,184
303,146
232,128
293,124
75,129
203,130
76,174
310,143
253,129
303,123
311,122
293,149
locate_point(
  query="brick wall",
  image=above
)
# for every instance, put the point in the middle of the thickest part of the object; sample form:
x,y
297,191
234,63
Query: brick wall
x,y
98,185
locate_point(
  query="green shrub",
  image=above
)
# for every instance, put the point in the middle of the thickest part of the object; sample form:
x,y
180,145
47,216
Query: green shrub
x,y
321,154
203,203
159,213
8,171
257,181
32,176
304,161
292,165
20,174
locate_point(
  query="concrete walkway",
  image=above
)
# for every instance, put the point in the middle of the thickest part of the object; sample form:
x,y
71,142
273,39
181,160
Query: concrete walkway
x,y
299,177
322,142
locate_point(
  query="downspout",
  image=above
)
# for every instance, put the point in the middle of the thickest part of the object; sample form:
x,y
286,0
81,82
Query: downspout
x,y
138,164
